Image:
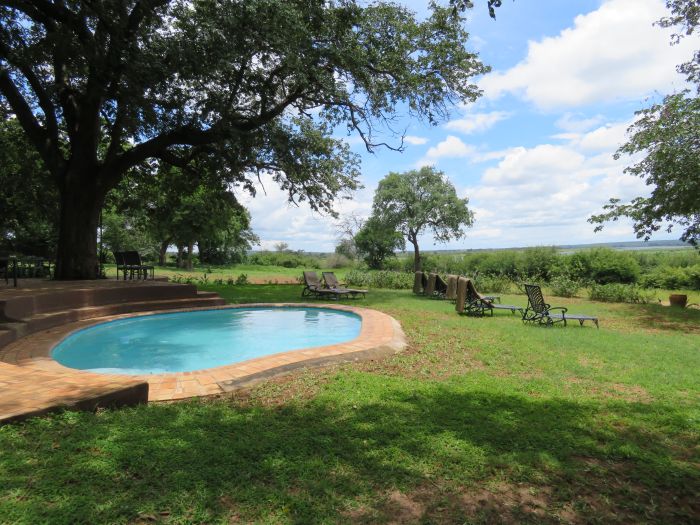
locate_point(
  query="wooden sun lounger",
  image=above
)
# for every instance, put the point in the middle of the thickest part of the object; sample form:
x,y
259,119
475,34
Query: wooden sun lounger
x,y
314,289
332,283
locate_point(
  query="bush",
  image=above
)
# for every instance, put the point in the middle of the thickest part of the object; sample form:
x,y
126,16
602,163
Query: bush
x,y
337,260
620,293
380,279
497,284
241,280
673,278
603,266
564,286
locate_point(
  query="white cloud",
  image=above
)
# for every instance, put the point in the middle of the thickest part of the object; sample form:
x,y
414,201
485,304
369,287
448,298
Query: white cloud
x,y
451,147
275,220
416,141
576,124
477,122
609,54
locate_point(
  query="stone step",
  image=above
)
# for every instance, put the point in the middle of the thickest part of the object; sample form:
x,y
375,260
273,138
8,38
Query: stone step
x,y
22,307
11,331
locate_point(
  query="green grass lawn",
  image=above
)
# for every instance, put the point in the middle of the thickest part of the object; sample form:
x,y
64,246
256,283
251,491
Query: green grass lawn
x,y
479,421
255,273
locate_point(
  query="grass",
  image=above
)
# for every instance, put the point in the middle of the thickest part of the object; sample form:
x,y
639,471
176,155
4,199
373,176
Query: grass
x,y
256,274
479,421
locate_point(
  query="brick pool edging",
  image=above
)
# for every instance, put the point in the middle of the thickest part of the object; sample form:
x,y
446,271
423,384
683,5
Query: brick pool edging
x,y
380,335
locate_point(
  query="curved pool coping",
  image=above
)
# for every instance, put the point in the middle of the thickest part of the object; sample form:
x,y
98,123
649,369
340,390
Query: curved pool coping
x,y
380,335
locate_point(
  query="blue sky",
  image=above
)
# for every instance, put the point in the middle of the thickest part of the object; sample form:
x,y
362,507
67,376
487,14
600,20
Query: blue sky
x,y
534,155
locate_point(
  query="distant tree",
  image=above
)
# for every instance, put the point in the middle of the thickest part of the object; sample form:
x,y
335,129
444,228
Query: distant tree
x,y
669,135
281,246
100,87
421,200
377,240
187,207
347,248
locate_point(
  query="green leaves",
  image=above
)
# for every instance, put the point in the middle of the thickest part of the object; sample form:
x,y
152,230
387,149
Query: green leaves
x,y
419,200
667,134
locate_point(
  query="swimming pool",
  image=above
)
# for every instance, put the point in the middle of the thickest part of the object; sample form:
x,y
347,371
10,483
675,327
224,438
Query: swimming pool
x,y
189,341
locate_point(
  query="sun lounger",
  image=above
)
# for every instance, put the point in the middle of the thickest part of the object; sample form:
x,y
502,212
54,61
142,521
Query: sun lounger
x,y
538,311
314,289
420,282
332,283
451,292
436,287
471,302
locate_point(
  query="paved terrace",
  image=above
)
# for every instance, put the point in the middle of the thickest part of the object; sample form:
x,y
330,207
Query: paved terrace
x,y
32,383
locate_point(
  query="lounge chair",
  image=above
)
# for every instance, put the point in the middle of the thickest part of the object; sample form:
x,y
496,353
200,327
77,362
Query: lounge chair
x,y
420,283
314,289
539,312
471,302
436,287
332,283
451,291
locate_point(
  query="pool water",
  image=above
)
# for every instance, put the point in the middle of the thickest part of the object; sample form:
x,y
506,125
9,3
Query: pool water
x,y
188,341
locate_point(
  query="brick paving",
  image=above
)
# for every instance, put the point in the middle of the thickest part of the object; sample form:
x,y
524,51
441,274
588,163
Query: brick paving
x,y
30,380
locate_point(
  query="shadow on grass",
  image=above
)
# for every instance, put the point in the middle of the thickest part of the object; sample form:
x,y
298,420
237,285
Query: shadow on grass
x,y
206,461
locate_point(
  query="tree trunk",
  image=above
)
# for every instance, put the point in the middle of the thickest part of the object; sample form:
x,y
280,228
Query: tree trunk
x,y
190,247
163,252
413,239
81,201
180,249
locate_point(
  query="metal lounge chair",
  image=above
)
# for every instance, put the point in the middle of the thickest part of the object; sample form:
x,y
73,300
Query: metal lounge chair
x,y
332,282
538,311
314,289
473,303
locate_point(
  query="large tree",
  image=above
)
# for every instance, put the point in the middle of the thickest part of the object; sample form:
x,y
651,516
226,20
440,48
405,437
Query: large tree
x,y
421,200
668,135
101,86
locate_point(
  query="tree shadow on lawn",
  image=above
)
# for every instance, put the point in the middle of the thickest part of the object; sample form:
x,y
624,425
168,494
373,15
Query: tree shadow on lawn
x,y
661,317
437,448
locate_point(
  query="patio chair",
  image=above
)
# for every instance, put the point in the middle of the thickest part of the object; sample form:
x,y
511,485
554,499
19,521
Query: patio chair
x,y
133,264
538,311
315,290
451,291
471,302
436,287
332,282
420,283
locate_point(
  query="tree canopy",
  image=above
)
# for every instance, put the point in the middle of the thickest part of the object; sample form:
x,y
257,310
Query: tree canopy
x,y
101,86
668,134
421,200
376,241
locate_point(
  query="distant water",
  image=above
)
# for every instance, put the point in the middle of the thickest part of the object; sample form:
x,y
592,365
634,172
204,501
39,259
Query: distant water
x,y
187,341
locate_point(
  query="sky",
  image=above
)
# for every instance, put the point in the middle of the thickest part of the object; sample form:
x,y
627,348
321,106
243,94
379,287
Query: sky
x,y
534,154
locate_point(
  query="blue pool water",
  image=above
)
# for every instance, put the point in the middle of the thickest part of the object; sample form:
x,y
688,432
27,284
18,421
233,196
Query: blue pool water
x,y
186,341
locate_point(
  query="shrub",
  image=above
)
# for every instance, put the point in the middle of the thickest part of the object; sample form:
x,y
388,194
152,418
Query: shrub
x,y
673,277
620,293
337,260
564,286
380,279
604,266
242,279
496,284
